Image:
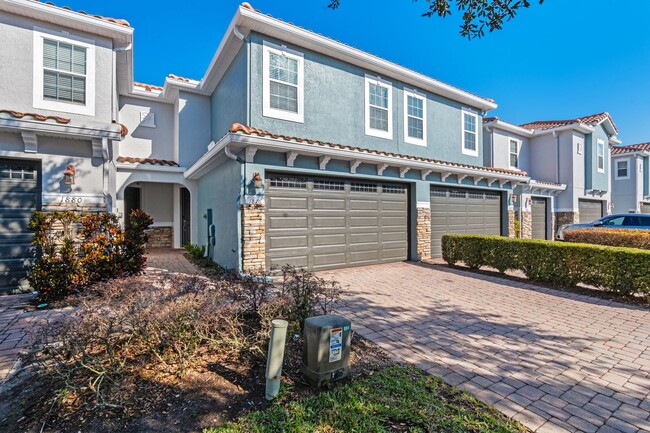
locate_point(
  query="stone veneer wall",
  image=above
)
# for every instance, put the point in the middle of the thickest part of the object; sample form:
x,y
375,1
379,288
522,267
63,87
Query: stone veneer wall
x,y
511,223
562,218
160,237
526,225
253,240
423,231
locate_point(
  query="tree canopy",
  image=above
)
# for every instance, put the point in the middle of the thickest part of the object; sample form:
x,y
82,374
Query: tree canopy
x,y
478,15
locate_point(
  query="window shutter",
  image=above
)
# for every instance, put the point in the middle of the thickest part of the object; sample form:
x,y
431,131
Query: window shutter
x,y
49,54
79,60
49,84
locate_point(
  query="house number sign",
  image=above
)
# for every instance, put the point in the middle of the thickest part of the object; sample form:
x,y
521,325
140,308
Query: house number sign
x,y
71,199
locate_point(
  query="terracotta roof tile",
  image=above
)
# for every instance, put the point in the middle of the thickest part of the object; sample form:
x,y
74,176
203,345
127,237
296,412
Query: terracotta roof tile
x,y
150,161
118,21
248,6
123,129
36,116
179,78
147,87
248,130
592,120
631,148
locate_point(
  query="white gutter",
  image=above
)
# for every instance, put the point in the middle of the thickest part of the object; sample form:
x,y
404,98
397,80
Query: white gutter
x,y
505,126
84,132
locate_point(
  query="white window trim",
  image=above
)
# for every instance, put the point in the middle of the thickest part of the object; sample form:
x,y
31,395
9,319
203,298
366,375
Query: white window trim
x,y
87,109
519,143
627,163
598,144
465,151
412,140
267,111
376,132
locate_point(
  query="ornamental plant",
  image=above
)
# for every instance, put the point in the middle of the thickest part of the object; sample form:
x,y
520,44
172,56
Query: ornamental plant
x,y
75,251
630,238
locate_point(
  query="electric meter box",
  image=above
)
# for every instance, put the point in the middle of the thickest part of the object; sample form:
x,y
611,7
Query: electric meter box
x,y
326,349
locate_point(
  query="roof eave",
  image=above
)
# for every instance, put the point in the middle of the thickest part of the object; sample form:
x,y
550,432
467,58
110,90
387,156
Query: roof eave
x,y
509,127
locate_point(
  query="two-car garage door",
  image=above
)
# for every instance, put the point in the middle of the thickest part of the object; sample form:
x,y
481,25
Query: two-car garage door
x,y
20,195
326,223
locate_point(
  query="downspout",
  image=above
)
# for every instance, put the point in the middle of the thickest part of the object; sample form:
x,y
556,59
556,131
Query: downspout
x,y
557,156
241,161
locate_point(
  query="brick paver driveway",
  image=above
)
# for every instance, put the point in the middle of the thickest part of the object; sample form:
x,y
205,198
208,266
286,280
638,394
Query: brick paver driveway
x,y
554,361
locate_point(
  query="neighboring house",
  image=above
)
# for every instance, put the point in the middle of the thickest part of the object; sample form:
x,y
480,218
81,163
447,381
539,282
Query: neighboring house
x,y
568,163
630,178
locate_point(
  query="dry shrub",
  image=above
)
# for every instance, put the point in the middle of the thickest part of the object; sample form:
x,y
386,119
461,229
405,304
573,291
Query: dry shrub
x,y
611,237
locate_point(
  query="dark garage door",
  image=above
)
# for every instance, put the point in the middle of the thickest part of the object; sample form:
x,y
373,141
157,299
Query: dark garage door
x,y
590,210
538,217
326,223
20,195
456,210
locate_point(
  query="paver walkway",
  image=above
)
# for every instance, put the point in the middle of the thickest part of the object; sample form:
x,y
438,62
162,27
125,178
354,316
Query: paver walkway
x,y
555,361
15,322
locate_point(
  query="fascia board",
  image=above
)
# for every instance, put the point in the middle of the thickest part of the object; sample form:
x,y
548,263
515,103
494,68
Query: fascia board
x,y
83,132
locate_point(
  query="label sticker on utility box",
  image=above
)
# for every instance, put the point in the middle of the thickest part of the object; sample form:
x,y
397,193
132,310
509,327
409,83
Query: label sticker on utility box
x,y
336,344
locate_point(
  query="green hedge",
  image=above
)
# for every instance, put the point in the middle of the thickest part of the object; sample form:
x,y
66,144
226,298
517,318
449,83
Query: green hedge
x,y
623,271
612,237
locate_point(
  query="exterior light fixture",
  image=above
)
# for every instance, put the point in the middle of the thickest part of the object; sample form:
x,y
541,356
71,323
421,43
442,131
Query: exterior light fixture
x,y
69,175
513,198
257,180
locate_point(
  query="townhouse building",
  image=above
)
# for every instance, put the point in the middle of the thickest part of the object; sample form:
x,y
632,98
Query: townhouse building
x,y
630,178
292,147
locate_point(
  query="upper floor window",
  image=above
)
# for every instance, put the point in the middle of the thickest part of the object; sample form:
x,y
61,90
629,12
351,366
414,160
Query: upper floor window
x,y
515,147
415,118
470,133
600,145
283,83
379,108
622,169
64,72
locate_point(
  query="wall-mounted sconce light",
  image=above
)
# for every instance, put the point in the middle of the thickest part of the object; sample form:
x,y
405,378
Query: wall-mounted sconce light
x,y
69,175
257,180
529,201
513,198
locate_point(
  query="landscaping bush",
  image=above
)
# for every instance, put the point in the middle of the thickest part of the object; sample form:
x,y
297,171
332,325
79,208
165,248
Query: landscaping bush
x,y
195,252
71,258
623,271
611,237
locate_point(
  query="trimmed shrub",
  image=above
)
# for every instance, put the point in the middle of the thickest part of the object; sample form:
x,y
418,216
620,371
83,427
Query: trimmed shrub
x,y
69,259
618,270
611,237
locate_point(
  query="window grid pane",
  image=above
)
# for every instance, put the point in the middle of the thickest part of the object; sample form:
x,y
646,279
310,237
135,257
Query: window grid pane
x,y
378,96
514,153
470,141
379,119
283,96
283,69
415,128
65,67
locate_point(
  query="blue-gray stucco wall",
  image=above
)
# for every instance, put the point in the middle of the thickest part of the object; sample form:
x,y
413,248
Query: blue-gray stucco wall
x,y
593,178
229,101
220,191
646,176
334,98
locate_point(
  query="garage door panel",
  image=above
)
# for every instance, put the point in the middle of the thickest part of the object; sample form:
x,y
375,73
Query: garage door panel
x,y
590,210
287,203
462,211
299,261
284,222
288,241
348,222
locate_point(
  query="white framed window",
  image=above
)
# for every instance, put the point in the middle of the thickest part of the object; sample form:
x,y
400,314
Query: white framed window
x,y
283,87
415,118
64,72
600,149
622,169
470,132
515,148
379,107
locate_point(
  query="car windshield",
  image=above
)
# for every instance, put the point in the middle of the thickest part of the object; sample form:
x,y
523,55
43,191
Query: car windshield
x,y
612,221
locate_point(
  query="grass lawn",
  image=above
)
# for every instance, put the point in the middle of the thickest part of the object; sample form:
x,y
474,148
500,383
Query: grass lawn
x,y
396,399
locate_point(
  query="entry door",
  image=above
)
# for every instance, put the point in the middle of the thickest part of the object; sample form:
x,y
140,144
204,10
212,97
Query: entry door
x,y
538,215
185,217
131,202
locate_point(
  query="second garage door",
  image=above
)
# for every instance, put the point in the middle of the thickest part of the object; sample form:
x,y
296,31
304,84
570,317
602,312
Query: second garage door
x,y
456,210
590,210
326,223
538,218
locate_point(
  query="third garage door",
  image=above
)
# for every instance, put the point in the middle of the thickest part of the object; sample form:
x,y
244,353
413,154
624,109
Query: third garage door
x,y
590,210
457,210
326,223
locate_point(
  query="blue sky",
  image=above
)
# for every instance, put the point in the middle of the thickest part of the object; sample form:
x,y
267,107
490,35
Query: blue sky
x,y
562,59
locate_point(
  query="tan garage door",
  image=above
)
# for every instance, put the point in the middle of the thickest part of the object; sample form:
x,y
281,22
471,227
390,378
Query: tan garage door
x,y
590,210
326,223
456,210
538,218
20,195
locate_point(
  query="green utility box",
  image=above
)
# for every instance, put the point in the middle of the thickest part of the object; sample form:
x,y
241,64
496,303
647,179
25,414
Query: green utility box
x,y
326,349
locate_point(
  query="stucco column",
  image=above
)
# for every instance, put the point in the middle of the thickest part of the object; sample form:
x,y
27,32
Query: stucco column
x,y
423,229
253,228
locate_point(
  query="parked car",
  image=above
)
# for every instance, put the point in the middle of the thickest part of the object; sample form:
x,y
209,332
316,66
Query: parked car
x,y
619,221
